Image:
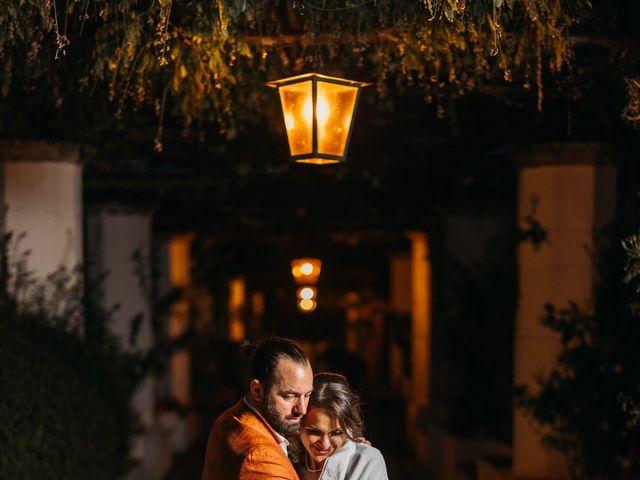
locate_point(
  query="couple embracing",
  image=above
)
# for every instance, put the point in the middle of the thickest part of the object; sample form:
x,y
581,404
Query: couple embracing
x,y
291,425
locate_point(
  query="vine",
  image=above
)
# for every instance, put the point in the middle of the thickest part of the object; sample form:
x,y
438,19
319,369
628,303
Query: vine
x,y
206,61
631,112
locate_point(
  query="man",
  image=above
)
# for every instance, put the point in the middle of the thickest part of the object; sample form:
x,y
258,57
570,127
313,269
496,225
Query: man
x,y
248,441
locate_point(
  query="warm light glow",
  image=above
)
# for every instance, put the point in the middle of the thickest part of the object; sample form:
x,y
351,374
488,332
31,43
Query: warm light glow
x,y
289,122
307,293
237,297
307,305
322,111
326,139
180,260
306,271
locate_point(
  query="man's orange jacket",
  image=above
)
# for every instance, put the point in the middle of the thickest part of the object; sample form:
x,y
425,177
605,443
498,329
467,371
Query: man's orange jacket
x,y
242,445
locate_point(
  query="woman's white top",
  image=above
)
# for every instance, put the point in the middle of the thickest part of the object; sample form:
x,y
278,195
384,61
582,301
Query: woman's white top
x,y
355,461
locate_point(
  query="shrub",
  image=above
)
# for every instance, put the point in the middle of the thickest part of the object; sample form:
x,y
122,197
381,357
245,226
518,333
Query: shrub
x,y
65,382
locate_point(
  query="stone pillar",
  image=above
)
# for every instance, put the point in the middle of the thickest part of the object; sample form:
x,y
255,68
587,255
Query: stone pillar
x,y
570,192
119,243
119,246
41,189
420,398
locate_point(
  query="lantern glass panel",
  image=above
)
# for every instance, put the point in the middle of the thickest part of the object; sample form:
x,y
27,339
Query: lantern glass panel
x,y
297,109
334,111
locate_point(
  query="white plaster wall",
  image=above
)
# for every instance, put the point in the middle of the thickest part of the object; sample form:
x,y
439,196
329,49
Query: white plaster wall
x,y
115,235
124,234
163,268
163,288
44,201
573,201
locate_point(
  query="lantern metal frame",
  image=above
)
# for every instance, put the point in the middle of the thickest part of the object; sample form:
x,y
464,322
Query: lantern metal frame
x,y
315,78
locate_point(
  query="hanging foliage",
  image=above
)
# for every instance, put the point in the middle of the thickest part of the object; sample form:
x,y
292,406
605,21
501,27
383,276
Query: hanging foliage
x,y
205,61
631,112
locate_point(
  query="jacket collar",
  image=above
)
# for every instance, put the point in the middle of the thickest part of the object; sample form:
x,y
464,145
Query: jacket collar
x,y
282,441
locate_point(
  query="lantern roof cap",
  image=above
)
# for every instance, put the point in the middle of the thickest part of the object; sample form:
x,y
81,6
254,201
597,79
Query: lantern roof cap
x,y
310,76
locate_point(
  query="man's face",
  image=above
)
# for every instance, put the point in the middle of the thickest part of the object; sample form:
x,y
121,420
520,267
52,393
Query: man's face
x,y
286,402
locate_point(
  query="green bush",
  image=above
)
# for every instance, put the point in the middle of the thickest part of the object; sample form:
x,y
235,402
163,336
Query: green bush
x,y
587,402
66,384
52,425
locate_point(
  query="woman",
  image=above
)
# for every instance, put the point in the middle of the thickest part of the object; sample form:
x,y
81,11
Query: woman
x,y
331,434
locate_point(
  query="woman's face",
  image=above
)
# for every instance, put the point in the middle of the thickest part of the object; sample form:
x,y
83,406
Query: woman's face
x,y
321,434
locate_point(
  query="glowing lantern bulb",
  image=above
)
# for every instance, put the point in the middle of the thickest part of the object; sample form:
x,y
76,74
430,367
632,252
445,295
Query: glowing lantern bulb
x,y
289,122
322,110
307,293
307,305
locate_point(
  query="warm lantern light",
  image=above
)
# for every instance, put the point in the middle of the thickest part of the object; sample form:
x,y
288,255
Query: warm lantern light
x,y
307,293
306,271
307,305
318,114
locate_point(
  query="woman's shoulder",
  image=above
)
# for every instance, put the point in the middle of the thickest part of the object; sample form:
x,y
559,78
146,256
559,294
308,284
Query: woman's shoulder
x,y
358,452
356,460
367,452
365,448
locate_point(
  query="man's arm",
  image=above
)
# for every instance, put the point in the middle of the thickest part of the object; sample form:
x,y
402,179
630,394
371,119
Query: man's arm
x,y
264,463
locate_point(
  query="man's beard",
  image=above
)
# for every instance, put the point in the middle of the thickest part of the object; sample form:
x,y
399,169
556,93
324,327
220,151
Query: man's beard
x,y
279,423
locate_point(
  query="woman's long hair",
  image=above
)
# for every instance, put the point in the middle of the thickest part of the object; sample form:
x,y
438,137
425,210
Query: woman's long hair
x,y
332,392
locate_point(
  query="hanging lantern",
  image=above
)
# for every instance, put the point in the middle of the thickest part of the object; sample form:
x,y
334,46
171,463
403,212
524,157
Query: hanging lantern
x,y
306,271
318,115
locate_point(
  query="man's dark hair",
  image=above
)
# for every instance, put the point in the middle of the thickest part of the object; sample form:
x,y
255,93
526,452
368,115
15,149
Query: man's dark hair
x,y
264,358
